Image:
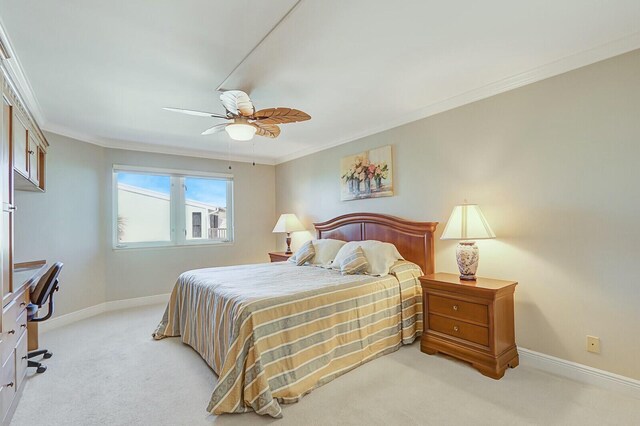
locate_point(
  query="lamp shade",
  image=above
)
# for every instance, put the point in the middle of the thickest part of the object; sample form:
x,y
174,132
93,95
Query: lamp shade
x,y
240,131
467,223
288,222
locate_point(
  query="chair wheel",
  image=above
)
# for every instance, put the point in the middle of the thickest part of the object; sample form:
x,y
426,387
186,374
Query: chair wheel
x,y
41,369
47,355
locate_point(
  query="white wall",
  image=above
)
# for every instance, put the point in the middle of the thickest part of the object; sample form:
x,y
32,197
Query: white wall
x,y
71,222
66,222
143,216
554,167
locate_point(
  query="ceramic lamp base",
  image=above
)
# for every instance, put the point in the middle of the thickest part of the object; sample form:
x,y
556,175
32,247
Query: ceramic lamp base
x,y
288,244
467,255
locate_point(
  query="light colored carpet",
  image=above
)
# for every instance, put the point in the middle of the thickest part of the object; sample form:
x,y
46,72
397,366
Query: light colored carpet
x,y
108,371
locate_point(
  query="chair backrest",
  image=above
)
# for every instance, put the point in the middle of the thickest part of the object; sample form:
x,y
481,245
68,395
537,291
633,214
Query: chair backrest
x,y
46,285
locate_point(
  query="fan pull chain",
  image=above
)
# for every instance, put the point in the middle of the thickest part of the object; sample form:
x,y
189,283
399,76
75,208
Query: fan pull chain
x,y
229,152
253,149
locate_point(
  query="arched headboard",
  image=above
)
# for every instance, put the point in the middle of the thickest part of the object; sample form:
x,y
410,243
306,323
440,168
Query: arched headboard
x,y
414,240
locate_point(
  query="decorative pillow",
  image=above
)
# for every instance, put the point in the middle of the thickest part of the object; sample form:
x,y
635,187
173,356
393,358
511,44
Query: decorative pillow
x,y
354,263
326,251
402,266
304,253
381,256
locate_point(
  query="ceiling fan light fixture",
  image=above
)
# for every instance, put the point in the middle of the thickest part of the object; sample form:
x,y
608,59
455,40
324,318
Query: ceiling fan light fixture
x,y
240,131
246,122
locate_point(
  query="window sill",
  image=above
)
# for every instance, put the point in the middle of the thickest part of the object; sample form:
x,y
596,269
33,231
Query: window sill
x,y
174,246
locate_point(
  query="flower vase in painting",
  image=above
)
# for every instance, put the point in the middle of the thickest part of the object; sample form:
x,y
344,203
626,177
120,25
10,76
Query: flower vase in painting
x,y
367,175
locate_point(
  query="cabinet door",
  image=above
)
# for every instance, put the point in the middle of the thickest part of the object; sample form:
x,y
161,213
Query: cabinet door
x,y
20,146
6,222
34,160
6,195
6,215
42,164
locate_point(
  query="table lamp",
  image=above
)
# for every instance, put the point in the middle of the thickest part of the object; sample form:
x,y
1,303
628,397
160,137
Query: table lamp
x,y
467,224
288,223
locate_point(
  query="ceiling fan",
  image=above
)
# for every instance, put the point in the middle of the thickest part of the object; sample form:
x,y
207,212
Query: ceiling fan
x,y
246,121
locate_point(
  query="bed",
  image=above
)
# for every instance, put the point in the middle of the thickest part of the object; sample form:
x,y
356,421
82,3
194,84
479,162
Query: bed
x,y
274,332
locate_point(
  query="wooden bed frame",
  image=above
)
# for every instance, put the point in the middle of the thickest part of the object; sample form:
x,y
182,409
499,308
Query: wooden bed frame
x,y
414,240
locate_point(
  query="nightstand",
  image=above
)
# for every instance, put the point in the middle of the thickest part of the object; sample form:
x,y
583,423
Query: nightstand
x,y
470,320
279,256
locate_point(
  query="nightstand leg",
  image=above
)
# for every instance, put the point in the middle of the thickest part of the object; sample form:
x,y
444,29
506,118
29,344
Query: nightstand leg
x,y
428,351
497,375
514,362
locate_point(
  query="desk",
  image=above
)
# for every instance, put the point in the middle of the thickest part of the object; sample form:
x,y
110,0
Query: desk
x,y
16,335
26,275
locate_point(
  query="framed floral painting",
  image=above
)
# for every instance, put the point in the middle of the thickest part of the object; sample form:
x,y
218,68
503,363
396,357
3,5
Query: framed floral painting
x,y
368,174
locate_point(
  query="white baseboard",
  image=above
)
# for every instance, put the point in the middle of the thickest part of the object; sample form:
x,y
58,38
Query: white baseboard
x,y
59,321
100,308
115,305
580,372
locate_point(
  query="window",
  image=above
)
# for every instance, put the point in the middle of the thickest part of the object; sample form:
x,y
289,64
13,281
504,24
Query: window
x,y
196,225
154,207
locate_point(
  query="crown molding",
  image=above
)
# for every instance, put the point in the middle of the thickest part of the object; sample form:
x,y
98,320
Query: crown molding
x,y
153,148
568,63
4,51
14,70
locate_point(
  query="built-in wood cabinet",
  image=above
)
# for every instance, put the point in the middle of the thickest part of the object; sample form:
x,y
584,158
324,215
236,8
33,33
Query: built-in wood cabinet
x,y
7,331
29,156
20,145
23,150
34,160
6,193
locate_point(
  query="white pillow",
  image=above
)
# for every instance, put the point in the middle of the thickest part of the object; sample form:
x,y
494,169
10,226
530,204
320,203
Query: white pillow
x,y
355,263
381,256
326,251
305,253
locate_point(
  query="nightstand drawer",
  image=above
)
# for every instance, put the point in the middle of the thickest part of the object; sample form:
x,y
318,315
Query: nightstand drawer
x,y
455,308
459,329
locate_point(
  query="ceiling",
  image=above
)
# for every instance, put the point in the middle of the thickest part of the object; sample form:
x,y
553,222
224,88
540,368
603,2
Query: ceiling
x,y
102,71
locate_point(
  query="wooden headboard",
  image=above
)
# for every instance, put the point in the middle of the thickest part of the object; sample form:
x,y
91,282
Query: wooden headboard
x,y
414,240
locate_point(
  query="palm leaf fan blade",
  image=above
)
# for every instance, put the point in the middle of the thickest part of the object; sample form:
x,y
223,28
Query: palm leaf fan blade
x,y
281,115
267,130
237,103
215,129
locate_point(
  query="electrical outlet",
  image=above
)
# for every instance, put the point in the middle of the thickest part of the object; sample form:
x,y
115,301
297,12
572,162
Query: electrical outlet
x,y
593,344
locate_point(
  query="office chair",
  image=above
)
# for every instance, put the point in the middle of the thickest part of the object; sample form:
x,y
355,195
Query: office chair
x,y
45,289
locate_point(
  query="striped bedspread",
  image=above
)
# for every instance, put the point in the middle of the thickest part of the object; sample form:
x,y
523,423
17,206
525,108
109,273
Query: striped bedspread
x,y
273,332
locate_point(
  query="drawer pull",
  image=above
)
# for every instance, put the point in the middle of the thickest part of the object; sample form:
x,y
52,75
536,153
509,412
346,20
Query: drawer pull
x,y
24,357
455,328
9,385
11,332
23,304
23,325
455,307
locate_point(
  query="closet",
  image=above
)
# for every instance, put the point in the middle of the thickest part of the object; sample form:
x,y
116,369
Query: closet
x,y
22,159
